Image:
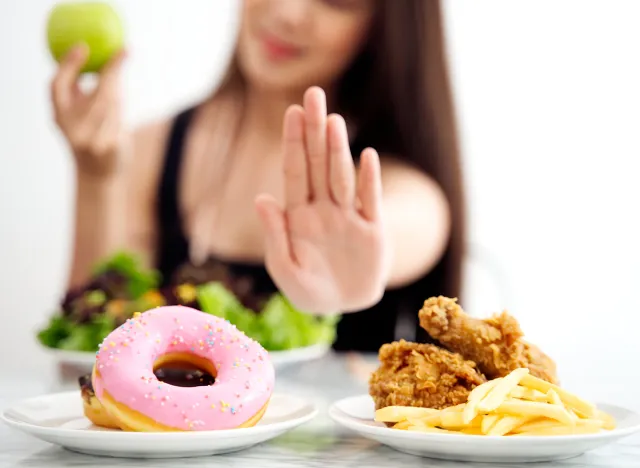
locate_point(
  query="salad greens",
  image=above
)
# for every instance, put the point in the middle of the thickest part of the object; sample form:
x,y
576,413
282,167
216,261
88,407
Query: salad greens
x,y
61,333
139,280
121,286
279,326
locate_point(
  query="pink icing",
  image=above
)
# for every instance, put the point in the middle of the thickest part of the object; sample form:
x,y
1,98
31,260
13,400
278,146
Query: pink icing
x,y
242,387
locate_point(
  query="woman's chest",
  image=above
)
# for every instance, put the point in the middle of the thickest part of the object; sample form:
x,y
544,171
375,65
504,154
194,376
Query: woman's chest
x,y
222,214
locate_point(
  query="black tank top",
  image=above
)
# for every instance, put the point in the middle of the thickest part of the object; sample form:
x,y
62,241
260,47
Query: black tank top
x,y
394,317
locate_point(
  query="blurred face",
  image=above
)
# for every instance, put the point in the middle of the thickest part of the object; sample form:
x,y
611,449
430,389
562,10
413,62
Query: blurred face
x,y
287,45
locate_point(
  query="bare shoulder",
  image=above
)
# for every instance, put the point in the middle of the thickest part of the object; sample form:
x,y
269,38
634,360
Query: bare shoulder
x,y
149,140
407,187
417,215
154,130
148,143
400,176
146,160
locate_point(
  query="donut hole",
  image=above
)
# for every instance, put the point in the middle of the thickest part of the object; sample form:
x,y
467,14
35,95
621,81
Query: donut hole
x,y
184,370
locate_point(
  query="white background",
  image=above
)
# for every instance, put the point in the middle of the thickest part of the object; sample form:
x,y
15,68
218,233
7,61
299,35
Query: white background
x,y
549,103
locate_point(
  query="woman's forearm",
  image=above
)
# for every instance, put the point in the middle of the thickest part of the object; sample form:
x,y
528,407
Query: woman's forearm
x,y
99,224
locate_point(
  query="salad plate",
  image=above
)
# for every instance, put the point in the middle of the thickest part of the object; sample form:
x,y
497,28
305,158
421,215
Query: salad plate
x,y
120,286
281,359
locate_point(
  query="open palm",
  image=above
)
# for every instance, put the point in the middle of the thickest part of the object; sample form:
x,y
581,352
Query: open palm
x,y
325,249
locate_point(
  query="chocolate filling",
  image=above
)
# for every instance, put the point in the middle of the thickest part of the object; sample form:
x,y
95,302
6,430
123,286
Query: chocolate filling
x,y
176,377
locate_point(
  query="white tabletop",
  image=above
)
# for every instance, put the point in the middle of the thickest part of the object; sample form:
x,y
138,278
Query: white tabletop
x,y
319,443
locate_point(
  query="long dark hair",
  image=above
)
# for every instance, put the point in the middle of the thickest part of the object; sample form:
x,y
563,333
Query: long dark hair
x,y
398,95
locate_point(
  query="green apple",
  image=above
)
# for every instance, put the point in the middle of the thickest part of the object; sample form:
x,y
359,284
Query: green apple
x,y
96,24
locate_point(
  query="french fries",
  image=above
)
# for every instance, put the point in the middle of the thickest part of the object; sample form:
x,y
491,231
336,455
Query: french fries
x,y
488,421
394,414
475,397
570,400
530,394
533,409
498,394
518,404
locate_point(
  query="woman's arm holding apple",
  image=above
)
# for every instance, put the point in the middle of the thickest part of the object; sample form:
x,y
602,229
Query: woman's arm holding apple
x,y
112,191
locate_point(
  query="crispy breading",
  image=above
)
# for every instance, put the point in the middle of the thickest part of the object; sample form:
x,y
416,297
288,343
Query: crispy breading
x,y
423,375
495,344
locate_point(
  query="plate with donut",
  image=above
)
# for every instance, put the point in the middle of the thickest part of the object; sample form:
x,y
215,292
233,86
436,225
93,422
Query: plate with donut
x,y
122,286
281,360
170,382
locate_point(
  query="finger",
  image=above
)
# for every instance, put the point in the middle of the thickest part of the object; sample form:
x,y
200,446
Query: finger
x,y
295,162
109,84
278,252
315,107
106,96
341,168
370,185
64,83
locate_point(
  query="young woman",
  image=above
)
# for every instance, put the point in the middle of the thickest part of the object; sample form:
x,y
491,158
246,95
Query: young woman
x,y
261,183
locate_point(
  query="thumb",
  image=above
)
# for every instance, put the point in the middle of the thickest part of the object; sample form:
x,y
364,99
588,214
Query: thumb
x,y
274,223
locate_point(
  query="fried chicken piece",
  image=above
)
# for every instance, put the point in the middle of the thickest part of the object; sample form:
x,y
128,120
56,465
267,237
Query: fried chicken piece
x,y
495,344
423,375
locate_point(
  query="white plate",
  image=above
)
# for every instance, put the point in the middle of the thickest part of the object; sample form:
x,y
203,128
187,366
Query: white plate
x,y
59,419
356,413
280,359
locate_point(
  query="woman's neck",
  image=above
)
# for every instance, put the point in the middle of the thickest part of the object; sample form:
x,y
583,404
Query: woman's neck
x,y
264,111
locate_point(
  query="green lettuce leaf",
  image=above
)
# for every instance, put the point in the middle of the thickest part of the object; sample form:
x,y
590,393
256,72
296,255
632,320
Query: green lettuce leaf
x,y
64,334
290,328
215,299
88,336
58,329
139,279
279,326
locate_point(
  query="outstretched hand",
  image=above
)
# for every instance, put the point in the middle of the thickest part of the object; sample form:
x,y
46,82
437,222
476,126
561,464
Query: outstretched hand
x,y
325,249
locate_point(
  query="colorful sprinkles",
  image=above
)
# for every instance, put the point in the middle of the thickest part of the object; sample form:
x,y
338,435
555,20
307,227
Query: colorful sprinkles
x,y
139,342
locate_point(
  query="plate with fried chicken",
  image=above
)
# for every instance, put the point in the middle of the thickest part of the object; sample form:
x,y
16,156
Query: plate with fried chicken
x,y
482,393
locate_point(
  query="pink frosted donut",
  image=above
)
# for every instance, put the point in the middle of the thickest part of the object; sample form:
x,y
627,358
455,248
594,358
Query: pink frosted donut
x,y
127,388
